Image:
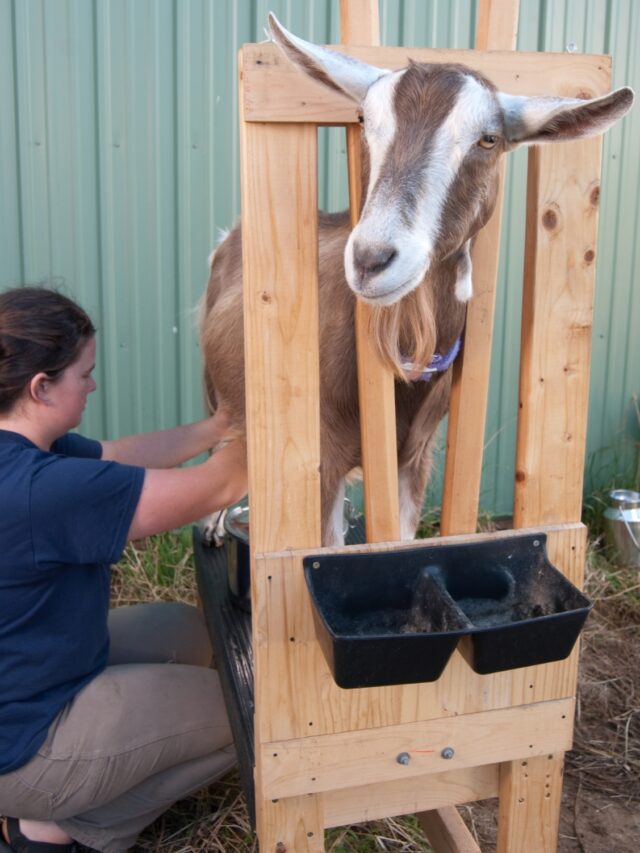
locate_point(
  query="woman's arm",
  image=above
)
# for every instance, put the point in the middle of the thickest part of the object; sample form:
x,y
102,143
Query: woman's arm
x,y
169,447
171,499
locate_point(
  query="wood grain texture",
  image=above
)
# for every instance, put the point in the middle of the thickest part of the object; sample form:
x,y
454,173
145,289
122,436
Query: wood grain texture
x,y
315,764
530,792
360,22
275,91
447,832
280,260
407,796
557,317
497,24
294,825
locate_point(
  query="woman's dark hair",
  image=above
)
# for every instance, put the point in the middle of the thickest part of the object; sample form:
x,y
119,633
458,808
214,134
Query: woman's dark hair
x,y
41,331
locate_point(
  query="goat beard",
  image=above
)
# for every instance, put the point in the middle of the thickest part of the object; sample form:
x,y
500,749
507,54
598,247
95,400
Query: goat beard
x,y
406,331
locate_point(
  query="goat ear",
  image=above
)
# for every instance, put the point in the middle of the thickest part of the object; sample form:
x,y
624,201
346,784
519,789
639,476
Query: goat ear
x,y
347,75
537,120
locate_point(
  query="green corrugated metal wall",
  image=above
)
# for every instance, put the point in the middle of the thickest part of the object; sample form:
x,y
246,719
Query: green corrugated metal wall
x,y
119,164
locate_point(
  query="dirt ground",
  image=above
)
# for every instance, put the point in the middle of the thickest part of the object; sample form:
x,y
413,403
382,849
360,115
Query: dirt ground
x,y
601,791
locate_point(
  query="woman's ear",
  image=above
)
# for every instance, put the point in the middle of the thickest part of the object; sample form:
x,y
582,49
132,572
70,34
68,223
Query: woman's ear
x,y
39,388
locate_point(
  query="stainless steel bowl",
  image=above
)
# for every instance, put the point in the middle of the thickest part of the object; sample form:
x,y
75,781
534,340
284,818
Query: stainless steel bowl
x,y
236,543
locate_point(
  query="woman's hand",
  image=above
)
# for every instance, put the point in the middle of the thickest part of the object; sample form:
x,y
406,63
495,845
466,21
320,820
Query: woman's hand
x,y
170,447
180,496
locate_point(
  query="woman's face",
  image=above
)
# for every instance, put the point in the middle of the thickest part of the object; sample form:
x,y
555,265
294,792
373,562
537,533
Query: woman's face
x,y
69,392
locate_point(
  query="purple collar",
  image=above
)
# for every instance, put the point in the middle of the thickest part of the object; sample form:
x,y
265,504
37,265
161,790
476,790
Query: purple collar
x,y
438,364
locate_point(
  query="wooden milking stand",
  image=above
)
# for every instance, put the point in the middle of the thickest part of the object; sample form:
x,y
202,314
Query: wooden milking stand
x,y
326,756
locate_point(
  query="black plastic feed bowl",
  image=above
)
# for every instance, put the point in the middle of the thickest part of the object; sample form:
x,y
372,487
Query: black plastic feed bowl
x,y
395,617
522,610
368,627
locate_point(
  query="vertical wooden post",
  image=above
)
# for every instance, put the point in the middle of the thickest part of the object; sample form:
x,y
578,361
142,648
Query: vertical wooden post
x,y
280,271
497,29
557,318
360,24
552,421
529,804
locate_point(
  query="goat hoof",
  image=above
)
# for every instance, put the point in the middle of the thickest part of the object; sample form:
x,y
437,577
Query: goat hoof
x,y
212,529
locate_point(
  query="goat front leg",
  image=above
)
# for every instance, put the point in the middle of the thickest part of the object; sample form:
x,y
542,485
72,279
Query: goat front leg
x,y
412,483
333,492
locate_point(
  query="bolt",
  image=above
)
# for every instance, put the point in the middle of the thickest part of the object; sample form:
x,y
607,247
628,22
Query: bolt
x,y
316,564
448,752
403,758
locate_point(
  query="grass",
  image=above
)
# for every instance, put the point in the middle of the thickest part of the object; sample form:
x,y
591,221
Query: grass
x,y
156,569
605,760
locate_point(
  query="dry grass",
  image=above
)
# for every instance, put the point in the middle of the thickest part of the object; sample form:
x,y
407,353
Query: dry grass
x,y
607,741
605,761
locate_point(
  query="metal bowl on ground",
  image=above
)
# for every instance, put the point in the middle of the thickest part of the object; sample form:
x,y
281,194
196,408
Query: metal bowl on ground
x,y
622,526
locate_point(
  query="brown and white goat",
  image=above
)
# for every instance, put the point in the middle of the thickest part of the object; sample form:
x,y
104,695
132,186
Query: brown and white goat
x,y
432,137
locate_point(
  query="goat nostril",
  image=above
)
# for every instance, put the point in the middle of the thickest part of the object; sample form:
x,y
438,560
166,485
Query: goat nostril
x,y
371,260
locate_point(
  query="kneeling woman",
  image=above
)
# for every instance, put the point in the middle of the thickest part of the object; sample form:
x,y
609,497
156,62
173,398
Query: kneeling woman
x,y
106,718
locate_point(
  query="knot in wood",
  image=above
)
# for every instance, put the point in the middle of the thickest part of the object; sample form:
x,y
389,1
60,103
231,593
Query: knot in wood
x,y
594,196
550,219
589,255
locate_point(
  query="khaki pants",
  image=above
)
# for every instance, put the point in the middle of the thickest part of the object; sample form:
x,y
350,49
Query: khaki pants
x,y
149,730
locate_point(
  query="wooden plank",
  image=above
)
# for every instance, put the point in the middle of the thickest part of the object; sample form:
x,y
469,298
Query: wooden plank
x,y
298,688
282,387
497,28
497,24
312,765
279,255
360,24
447,832
561,234
529,813
295,825
407,796
275,91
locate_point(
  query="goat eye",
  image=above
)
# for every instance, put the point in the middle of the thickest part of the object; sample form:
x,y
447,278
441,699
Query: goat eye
x,y
488,140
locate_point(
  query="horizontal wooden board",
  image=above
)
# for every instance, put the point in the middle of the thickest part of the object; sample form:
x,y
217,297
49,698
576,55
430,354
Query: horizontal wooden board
x,y
294,681
276,91
316,764
408,796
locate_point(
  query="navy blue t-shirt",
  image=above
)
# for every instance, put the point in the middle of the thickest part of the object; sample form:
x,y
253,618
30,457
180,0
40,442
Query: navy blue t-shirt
x,y
64,518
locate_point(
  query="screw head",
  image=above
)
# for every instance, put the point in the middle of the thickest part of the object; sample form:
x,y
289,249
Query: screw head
x,y
448,752
403,758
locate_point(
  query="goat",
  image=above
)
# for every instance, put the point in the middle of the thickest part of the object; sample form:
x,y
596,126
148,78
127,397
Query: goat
x,y
432,138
